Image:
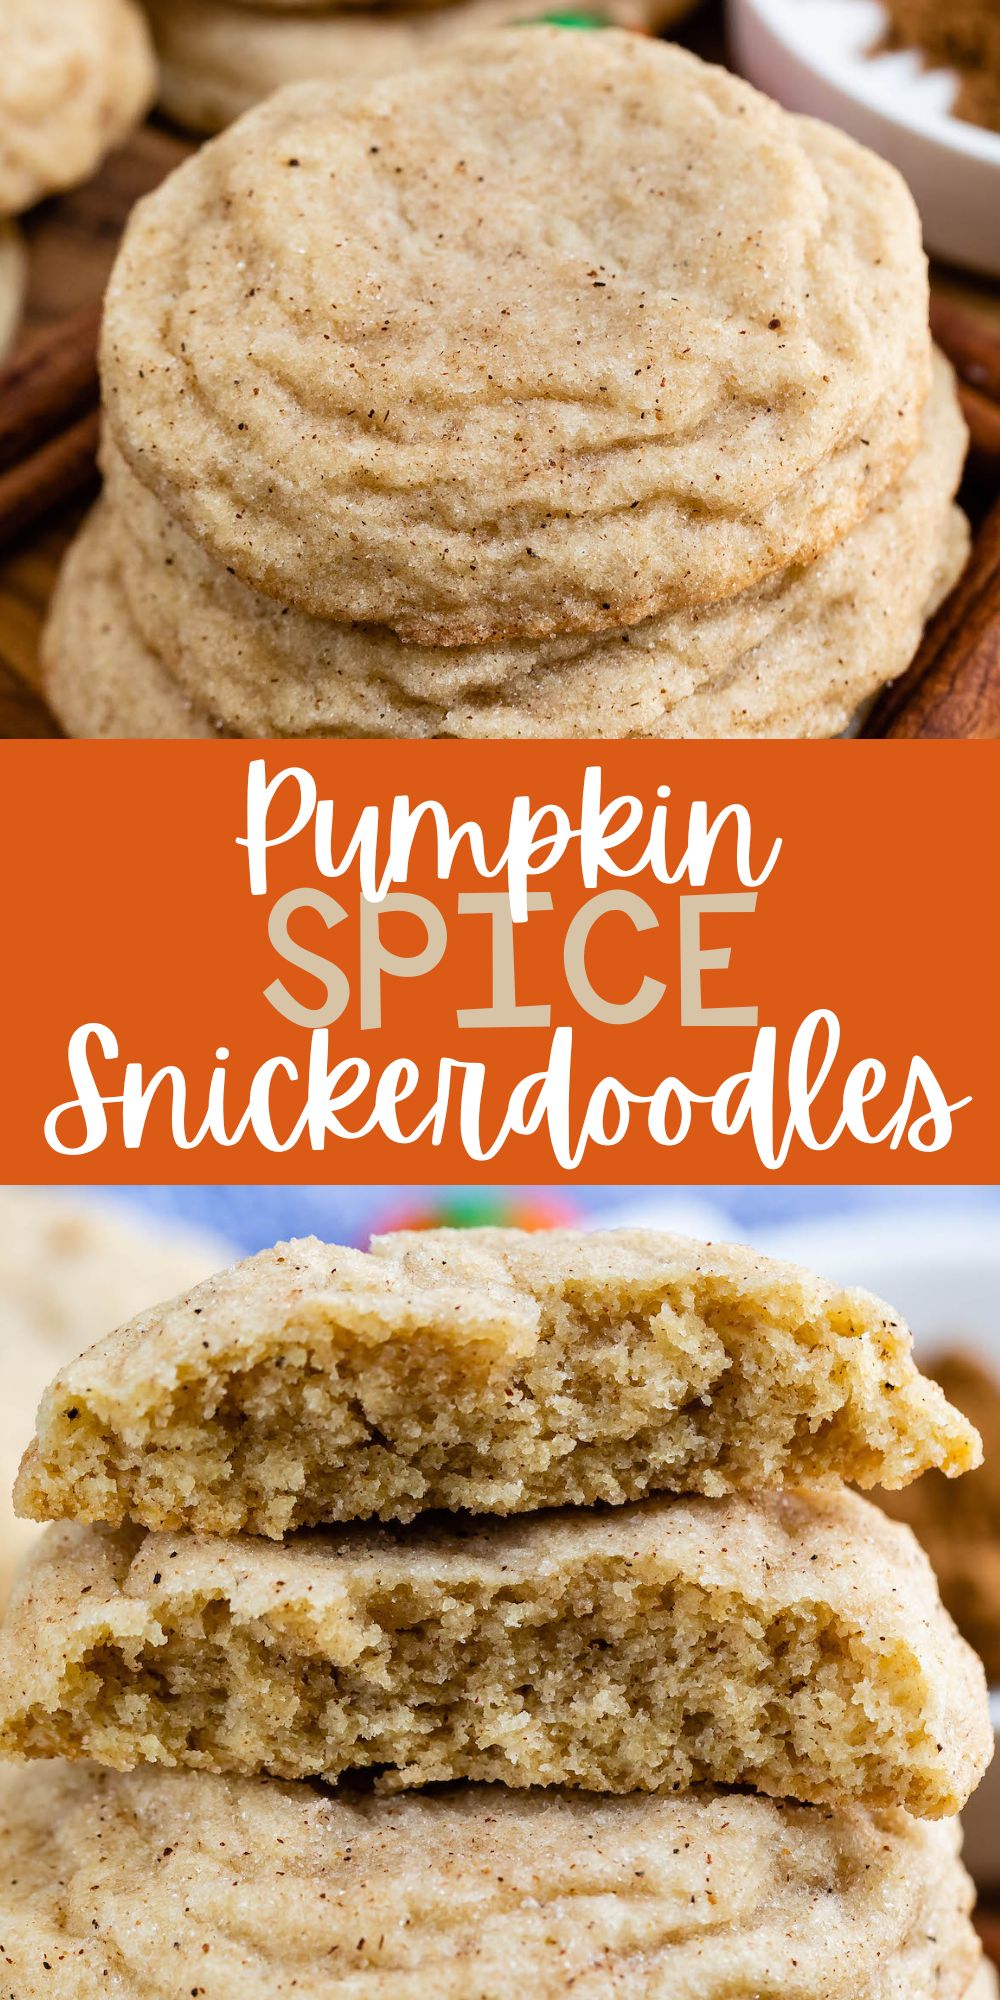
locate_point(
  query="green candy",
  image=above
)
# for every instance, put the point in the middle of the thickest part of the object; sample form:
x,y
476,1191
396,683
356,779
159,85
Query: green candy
x,y
569,19
472,1210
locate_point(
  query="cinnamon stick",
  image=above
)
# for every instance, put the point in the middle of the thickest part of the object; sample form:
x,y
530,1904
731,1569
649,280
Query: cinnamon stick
x,y
953,687
62,469
48,385
974,352
983,418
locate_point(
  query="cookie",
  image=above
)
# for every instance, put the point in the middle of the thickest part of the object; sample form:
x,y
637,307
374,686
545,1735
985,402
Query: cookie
x,y
794,1644
492,1370
985,1985
170,1883
128,691
796,656
98,678
75,77
131,693
217,58
13,276
69,1269
456,367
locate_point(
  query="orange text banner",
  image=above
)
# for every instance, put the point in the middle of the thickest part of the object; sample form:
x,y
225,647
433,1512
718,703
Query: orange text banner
x,y
365,962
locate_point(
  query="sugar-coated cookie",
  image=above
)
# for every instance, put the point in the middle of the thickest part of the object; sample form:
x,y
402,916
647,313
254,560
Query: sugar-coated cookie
x,y
170,1883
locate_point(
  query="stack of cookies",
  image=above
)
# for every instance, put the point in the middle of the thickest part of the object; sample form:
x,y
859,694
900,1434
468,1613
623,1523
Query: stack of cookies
x,y
690,1721
219,57
75,76
559,386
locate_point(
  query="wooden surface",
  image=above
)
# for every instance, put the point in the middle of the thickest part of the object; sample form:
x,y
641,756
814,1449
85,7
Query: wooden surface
x,y
72,244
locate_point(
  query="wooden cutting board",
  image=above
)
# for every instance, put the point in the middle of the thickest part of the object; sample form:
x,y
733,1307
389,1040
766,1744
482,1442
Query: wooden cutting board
x,y
72,244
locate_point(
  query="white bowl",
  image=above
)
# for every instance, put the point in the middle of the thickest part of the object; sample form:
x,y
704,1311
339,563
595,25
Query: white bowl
x,y
815,56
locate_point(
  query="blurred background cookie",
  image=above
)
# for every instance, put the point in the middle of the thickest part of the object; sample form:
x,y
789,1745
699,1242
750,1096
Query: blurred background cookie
x,y
218,57
75,77
71,1269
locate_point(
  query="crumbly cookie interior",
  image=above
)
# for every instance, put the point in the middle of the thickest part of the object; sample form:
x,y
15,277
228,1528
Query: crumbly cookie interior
x,y
709,1385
